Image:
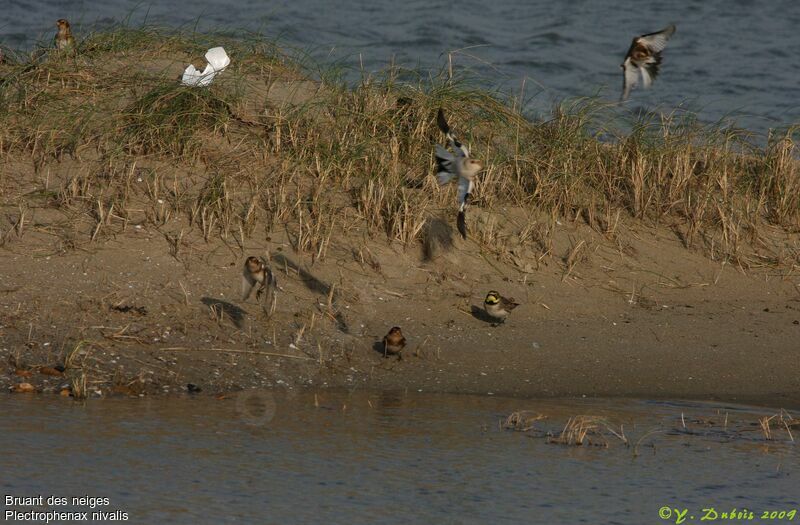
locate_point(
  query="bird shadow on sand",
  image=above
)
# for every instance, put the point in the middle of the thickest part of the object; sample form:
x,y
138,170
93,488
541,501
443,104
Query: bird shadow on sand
x,y
232,311
315,285
437,238
378,347
481,315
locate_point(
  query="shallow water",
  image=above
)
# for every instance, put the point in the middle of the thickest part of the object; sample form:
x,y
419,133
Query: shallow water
x,y
733,60
386,458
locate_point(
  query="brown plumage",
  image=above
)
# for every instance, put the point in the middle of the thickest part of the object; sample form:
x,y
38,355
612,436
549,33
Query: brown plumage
x,y
54,371
258,274
64,39
498,306
394,342
22,388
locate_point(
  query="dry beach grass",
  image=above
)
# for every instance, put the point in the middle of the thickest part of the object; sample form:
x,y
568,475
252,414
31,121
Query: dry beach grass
x,y
103,147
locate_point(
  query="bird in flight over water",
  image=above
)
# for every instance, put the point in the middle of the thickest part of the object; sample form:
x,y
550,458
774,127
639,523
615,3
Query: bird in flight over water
x,y
643,60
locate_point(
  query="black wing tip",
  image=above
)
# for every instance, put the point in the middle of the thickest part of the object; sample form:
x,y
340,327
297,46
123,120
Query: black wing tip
x,y
667,32
461,223
653,68
444,165
441,121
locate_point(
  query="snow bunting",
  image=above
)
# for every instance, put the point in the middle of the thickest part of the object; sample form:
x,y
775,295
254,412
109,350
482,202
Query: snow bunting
x,y
643,59
457,164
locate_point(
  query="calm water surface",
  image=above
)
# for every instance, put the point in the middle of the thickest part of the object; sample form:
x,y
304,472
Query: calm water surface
x,y
385,458
730,59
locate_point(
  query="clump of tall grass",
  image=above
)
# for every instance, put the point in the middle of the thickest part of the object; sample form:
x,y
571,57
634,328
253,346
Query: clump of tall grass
x,y
589,431
357,158
772,425
169,119
522,420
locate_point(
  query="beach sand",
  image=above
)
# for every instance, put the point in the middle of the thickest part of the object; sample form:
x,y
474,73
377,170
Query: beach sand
x,y
652,321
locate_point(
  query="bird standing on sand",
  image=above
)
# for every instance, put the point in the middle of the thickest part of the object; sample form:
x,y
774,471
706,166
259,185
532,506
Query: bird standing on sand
x,y
498,306
456,165
258,273
393,343
64,40
643,59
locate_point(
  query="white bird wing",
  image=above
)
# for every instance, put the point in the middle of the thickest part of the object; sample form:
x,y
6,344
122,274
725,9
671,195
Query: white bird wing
x,y
445,165
647,79
658,41
217,58
465,188
460,149
630,78
248,283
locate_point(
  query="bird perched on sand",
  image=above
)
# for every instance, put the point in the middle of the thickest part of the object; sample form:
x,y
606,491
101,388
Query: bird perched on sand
x,y
457,164
643,59
498,306
257,273
64,40
394,342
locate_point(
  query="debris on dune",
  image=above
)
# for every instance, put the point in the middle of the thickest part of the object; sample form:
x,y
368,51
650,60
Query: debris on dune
x,y
217,60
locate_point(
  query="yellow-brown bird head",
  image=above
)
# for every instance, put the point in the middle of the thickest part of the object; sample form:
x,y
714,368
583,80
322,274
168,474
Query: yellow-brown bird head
x,y
492,298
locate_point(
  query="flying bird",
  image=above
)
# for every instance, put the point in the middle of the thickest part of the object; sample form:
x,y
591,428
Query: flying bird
x,y
64,39
457,164
257,273
643,59
498,306
217,60
394,342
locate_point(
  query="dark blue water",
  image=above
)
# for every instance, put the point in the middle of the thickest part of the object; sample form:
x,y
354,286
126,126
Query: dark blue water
x,y
389,458
733,60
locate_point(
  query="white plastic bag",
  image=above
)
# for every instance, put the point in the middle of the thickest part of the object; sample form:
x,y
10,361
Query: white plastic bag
x,y
217,60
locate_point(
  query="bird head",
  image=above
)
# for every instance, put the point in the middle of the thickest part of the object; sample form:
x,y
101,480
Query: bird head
x,y
492,298
62,23
395,331
253,264
472,167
